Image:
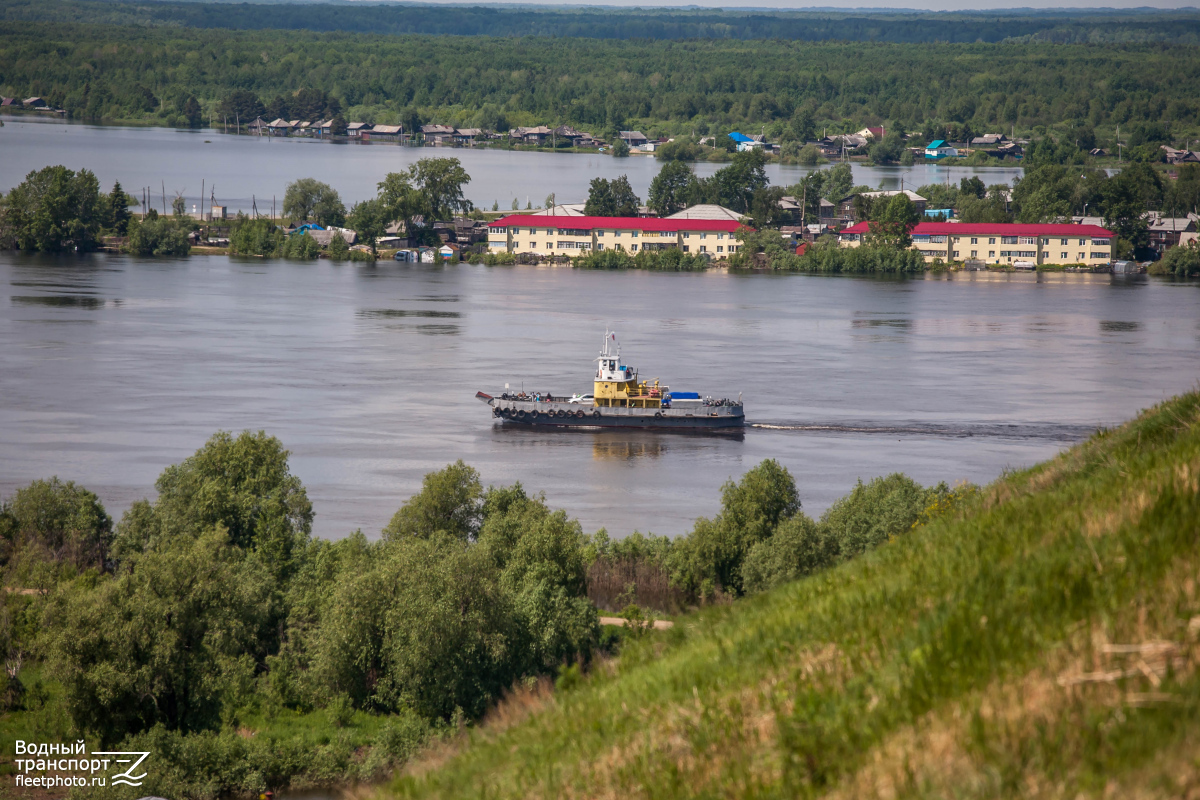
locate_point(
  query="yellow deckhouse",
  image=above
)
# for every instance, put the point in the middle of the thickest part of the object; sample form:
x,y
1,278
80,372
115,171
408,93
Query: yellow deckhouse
x,y
616,385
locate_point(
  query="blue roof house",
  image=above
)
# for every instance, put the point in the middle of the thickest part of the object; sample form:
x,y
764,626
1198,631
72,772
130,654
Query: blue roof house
x,y
939,149
744,142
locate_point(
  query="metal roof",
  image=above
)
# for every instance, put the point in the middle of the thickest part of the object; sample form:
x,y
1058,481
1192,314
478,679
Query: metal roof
x,y
740,137
995,229
935,144
620,223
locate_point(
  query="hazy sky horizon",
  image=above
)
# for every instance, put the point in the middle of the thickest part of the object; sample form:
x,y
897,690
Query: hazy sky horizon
x,y
796,5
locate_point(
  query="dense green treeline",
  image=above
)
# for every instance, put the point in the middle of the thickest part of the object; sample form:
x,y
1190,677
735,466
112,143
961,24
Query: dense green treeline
x,y
1089,27
150,74
210,616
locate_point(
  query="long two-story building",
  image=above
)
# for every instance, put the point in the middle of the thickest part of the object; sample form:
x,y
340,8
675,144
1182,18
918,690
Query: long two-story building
x,y
1006,244
576,236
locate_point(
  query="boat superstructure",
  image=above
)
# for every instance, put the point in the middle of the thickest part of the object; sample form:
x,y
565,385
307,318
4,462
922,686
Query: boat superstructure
x,y
619,399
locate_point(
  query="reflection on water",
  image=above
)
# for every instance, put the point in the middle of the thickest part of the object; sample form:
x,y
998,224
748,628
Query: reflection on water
x,y
368,375
65,301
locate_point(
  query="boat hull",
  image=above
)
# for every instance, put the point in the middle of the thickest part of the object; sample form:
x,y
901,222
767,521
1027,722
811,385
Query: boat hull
x,y
567,415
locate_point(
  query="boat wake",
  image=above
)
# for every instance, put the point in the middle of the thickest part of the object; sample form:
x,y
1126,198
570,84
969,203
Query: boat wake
x,y
1055,432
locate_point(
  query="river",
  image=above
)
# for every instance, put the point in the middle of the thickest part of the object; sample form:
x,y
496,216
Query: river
x,y
249,169
112,368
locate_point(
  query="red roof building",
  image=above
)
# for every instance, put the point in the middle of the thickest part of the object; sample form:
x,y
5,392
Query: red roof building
x,y
1005,244
559,236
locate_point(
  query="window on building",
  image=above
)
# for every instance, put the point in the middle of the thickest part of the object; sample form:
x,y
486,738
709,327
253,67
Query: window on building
x,y
1064,244
1103,242
1028,240
1083,241
992,240
600,246
1008,240
685,248
703,249
720,249
974,240
685,235
703,236
937,239
599,233
955,254
974,253
634,234
720,236
1063,256
991,253
1082,256
633,247
1099,255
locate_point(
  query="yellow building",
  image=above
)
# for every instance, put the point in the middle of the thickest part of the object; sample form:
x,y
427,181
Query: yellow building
x,y
577,236
1005,244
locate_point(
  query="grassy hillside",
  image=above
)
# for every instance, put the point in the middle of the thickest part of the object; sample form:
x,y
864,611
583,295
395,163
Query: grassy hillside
x,y
1041,643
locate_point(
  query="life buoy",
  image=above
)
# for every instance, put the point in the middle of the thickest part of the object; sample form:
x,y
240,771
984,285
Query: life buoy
x,y
561,413
596,414
521,413
658,415
578,415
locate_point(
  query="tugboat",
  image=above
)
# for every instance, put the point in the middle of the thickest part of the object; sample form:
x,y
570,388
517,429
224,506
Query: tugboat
x,y
618,400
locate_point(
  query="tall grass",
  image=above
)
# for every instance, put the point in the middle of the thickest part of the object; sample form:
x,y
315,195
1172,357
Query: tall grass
x,y
945,663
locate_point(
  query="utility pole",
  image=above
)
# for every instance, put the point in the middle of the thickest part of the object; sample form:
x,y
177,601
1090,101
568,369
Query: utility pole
x,y
164,191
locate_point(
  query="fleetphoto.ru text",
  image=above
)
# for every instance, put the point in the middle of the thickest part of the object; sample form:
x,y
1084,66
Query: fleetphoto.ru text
x,y
51,766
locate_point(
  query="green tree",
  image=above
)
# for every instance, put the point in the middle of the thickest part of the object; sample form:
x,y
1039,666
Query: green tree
x,y
338,249
192,112
369,219
337,125
839,182
1044,194
620,149
887,150
734,186
798,547
449,504
1125,198
600,200
874,513
711,556
241,484
440,182
310,199
54,209
803,125
671,188
240,105
160,236
891,222
115,210
57,522
163,644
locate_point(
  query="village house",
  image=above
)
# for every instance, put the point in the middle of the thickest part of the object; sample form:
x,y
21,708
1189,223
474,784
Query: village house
x,y
876,133
34,102
1166,232
382,133
357,129
530,135
938,149
633,138
280,127
847,207
1006,244
544,236
437,134
1181,156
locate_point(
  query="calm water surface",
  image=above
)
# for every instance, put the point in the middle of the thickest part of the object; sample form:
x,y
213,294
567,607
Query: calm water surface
x,y
248,169
113,368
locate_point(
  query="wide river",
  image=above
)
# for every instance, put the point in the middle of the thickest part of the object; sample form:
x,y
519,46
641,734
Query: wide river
x,y
250,170
113,368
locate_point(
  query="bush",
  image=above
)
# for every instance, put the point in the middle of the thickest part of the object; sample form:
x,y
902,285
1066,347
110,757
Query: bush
x,y
301,248
875,512
158,236
1182,261
338,249
254,237
799,547
672,259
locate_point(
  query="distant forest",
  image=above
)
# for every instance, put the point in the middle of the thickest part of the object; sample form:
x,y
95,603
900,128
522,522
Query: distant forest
x,y
1062,27
163,73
